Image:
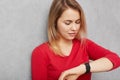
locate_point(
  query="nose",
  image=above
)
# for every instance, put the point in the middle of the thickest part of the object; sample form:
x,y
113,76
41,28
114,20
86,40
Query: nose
x,y
74,27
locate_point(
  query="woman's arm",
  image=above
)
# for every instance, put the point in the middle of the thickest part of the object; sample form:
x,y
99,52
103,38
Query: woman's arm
x,y
39,65
105,56
100,65
103,60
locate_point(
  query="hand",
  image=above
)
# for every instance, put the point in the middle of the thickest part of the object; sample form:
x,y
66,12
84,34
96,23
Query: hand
x,y
71,77
73,73
67,76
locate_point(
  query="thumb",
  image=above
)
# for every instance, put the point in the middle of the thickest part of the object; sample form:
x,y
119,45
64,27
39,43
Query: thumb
x,y
62,76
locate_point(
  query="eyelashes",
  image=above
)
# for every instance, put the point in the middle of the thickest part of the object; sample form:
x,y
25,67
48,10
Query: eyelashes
x,y
68,22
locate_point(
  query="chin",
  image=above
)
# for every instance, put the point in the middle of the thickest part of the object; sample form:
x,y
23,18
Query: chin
x,y
71,38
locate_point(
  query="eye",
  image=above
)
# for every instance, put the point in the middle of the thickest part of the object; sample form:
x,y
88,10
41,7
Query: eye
x,y
67,22
77,22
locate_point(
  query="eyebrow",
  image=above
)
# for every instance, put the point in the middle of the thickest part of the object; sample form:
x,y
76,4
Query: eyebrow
x,y
68,21
71,20
77,19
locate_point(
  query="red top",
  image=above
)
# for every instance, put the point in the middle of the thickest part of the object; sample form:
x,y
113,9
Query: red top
x,y
48,66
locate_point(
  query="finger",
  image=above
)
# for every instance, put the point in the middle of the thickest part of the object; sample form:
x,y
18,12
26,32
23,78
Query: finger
x,y
62,76
72,77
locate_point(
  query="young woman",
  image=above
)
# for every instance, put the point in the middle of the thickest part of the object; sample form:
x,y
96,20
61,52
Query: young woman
x,y
67,53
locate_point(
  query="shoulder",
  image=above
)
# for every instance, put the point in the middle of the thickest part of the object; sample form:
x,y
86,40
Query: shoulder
x,y
39,53
40,49
41,46
86,41
89,41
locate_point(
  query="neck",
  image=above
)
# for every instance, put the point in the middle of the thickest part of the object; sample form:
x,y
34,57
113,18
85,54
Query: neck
x,y
64,42
65,46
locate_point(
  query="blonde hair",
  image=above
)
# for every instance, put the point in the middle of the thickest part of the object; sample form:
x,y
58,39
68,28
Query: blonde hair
x,y
56,10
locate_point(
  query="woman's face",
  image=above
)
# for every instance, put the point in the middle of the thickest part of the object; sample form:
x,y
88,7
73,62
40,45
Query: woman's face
x,y
68,24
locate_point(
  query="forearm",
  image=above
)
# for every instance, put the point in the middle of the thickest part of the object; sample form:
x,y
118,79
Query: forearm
x,y
101,65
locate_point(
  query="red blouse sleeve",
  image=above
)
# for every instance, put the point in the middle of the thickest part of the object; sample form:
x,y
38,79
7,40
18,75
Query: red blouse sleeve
x,y
39,65
96,51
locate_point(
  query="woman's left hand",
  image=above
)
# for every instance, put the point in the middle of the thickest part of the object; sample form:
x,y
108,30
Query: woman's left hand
x,y
73,73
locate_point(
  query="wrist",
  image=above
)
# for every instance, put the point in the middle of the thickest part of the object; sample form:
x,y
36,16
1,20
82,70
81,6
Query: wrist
x,y
87,67
82,69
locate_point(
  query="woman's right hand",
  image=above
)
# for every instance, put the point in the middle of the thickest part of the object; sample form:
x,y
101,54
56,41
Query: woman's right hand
x,y
73,73
71,77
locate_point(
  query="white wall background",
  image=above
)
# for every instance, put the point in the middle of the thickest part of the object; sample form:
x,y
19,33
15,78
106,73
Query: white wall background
x,y
23,27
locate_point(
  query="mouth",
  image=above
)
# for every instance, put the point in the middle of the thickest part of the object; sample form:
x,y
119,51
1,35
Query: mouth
x,y
72,34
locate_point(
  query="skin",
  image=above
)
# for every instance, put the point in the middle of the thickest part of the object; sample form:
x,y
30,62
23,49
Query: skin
x,y
100,65
68,26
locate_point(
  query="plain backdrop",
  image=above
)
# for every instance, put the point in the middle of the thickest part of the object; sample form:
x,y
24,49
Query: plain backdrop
x,y
23,25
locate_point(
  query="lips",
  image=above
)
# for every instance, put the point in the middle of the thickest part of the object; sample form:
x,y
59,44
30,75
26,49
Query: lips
x,y
72,34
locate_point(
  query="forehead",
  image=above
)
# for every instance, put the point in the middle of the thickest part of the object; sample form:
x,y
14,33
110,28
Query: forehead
x,y
70,14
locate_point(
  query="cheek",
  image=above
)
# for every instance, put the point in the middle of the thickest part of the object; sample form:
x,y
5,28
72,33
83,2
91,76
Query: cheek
x,y
78,26
62,27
